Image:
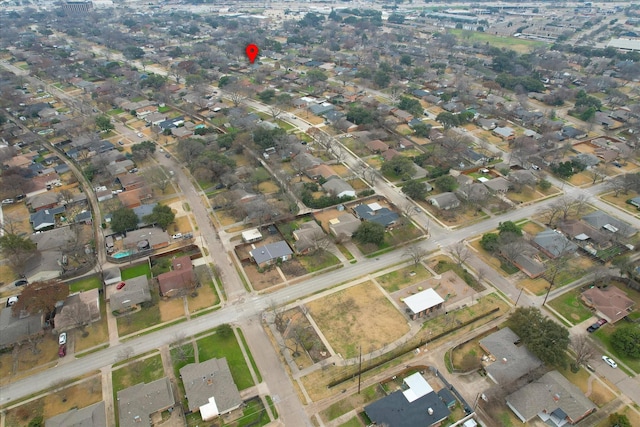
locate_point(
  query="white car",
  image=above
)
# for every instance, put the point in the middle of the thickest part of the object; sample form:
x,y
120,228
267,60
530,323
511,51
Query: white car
x,y
610,361
62,338
177,236
140,135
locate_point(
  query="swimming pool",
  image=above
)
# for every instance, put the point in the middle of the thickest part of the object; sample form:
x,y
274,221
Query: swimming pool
x,y
121,254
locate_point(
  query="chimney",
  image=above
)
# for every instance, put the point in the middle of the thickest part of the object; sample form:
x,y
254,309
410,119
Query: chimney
x,y
178,266
430,411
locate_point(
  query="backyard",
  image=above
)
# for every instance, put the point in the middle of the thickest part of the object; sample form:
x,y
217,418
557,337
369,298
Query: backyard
x,y
403,277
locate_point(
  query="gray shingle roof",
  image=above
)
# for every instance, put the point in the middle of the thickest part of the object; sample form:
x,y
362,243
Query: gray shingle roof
x,y
135,291
270,251
554,243
211,378
512,361
552,392
90,416
137,403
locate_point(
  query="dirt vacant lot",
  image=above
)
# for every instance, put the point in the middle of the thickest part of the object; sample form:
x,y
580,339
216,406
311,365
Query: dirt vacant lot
x,y
360,315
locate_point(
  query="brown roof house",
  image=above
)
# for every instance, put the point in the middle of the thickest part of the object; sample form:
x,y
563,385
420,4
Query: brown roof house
x,y
308,237
136,404
611,302
552,398
210,388
181,278
344,225
79,310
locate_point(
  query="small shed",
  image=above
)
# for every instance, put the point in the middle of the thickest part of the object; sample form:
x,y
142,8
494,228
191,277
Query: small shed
x,y
250,236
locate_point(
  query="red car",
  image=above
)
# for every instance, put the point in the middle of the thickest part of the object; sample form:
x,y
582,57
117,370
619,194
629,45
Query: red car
x,y
62,350
120,285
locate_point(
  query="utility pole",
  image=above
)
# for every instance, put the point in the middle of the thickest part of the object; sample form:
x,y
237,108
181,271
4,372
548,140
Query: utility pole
x,y
360,370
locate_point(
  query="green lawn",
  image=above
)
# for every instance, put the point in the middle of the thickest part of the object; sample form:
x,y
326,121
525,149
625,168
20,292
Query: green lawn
x,y
85,284
146,371
164,109
318,261
136,270
403,277
604,335
353,422
115,111
571,307
272,405
218,346
142,319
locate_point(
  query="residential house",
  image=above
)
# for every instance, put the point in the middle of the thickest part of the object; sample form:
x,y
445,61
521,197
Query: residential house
x,y
506,133
487,124
376,146
344,225
134,198
571,132
553,243
415,405
586,159
104,195
498,185
271,253
423,303
307,237
138,403
131,181
142,211
89,416
337,187
611,302
42,201
375,213
507,359
321,171
119,168
210,388
444,201
599,219
390,154
527,261
42,183
523,177
135,291
553,398
15,329
79,309
181,278
304,161
46,218
405,116
147,238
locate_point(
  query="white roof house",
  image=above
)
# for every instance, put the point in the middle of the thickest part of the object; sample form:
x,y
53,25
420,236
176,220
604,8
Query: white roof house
x,y
423,301
418,387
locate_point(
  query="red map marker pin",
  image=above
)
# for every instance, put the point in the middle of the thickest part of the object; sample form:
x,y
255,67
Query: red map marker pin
x,y
252,52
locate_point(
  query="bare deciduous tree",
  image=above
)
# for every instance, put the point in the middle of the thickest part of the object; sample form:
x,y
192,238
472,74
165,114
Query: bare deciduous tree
x,y
416,252
582,348
460,252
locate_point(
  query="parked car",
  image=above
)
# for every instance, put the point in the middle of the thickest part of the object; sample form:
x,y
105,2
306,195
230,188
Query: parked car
x,y
602,321
62,338
7,201
609,361
177,236
121,285
593,327
21,282
62,350
11,301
